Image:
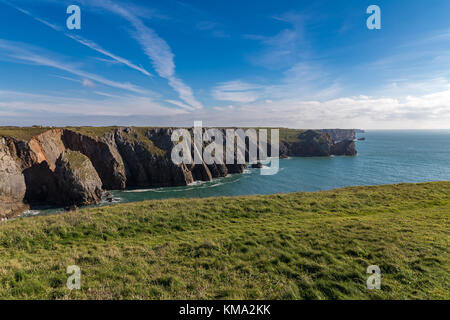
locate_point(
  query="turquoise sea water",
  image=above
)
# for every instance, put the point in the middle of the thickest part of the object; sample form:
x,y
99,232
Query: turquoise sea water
x,y
385,157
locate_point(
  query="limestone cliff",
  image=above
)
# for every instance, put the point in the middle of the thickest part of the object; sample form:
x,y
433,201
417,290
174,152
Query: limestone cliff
x,y
76,180
339,135
103,153
71,166
310,144
12,181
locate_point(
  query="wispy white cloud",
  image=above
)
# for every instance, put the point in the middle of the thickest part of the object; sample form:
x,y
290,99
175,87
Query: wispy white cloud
x,y
237,91
163,61
297,74
106,94
302,80
284,48
428,111
88,43
437,36
154,47
180,104
23,103
48,24
88,83
23,53
96,47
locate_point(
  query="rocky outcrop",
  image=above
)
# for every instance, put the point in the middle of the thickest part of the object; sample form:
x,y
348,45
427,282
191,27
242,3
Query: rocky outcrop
x,y
12,181
47,147
77,180
69,167
147,164
344,148
341,134
103,154
313,143
57,175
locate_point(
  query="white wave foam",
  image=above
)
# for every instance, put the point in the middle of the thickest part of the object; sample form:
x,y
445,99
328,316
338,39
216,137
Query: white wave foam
x,y
29,213
138,190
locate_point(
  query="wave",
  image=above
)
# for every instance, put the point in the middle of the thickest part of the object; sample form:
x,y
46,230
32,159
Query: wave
x,y
192,186
30,213
137,190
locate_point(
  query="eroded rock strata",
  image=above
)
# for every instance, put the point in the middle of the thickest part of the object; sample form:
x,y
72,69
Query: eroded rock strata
x,y
339,135
70,167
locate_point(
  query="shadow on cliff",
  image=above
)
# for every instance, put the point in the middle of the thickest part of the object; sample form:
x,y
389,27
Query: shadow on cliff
x,y
40,186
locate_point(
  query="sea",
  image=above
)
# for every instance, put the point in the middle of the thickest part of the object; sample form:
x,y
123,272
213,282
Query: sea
x,y
384,157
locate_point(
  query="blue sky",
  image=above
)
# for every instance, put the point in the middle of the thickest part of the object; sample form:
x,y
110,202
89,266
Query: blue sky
x,y
302,64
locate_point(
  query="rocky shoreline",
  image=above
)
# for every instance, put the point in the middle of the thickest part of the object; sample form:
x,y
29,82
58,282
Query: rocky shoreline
x,y
68,168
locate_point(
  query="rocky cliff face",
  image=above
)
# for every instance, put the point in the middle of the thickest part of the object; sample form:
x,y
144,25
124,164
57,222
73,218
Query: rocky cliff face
x,y
76,179
344,148
341,134
12,181
103,154
66,167
313,143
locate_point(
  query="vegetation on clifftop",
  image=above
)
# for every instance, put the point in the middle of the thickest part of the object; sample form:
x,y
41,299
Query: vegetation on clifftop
x,y
93,132
291,246
26,133
22,133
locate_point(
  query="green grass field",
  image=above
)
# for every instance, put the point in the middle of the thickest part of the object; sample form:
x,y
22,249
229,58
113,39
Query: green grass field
x,y
291,246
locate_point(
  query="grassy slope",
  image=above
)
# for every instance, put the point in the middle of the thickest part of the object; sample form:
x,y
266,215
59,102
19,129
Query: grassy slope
x,y
294,246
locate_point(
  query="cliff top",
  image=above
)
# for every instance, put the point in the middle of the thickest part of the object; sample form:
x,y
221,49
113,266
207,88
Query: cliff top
x,y
26,133
287,246
285,134
22,133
